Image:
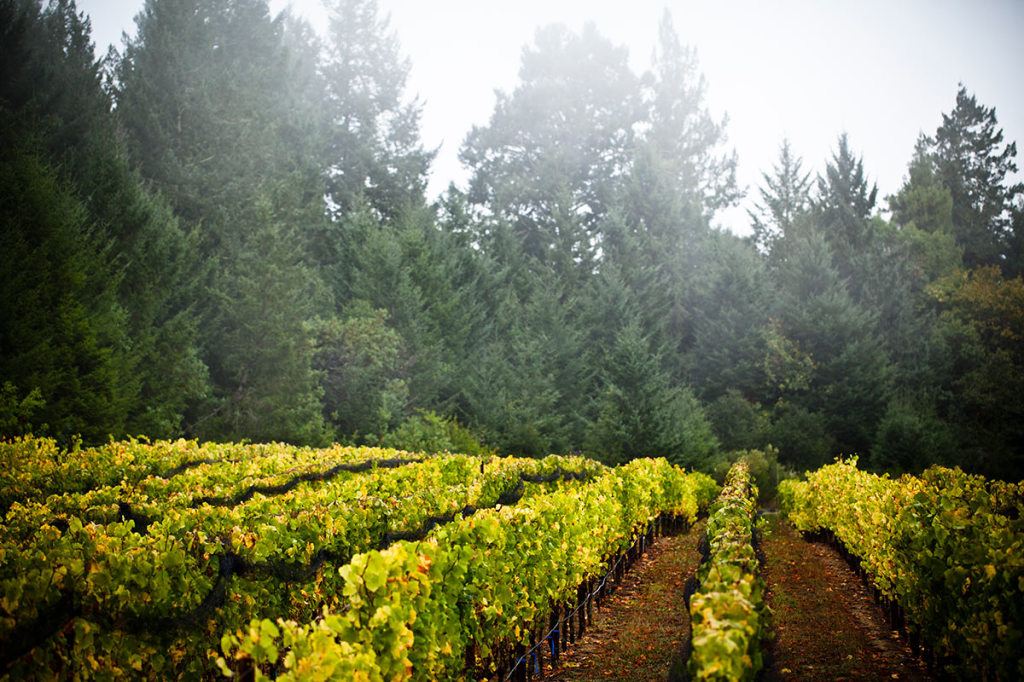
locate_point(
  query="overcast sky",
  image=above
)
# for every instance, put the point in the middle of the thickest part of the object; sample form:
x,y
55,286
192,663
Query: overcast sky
x,y
881,70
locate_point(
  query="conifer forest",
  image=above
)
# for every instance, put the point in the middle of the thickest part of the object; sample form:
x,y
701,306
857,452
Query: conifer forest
x,y
221,232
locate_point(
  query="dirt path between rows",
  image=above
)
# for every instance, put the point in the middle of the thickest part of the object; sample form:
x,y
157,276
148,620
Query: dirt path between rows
x,y
642,628
826,624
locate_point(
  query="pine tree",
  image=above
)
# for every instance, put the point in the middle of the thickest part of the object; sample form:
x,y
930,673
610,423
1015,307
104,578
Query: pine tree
x,y
843,206
527,386
730,306
215,100
682,131
56,100
785,196
547,161
851,381
64,333
376,155
922,211
642,414
971,165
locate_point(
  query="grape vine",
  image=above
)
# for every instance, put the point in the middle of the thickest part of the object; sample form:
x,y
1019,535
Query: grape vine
x,y
947,547
729,616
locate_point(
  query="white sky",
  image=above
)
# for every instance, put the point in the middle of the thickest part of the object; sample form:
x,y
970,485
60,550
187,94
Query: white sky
x,y
881,70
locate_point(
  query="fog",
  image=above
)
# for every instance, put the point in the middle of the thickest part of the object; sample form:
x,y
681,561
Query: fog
x,y
805,71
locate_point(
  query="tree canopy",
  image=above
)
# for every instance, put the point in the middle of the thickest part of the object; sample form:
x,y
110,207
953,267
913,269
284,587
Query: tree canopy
x,y
222,231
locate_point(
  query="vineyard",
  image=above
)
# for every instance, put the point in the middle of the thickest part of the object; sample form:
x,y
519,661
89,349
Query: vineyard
x,y
944,553
179,560
728,608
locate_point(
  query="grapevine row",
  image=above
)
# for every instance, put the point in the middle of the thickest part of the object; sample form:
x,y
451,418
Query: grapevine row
x,y
425,610
728,612
36,471
104,597
947,548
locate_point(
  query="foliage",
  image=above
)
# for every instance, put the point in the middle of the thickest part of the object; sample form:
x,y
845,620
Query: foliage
x,y
490,561
429,432
737,423
947,546
982,319
682,132
221,231
16,411
786,368
145,545
842,211
643,415
765,470
728,611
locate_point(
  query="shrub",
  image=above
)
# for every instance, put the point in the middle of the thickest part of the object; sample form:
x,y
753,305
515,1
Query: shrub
x,y
738,423
764,468
429,432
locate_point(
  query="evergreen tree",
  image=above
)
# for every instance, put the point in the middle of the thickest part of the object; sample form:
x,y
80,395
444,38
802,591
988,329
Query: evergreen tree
x,y
679,178
376,272
276,274
730,307
643,414
682,132
843,207
851,381
972,166
376,155
876,266
63,334
458,286
785,196
381,249
547,161
922,211
52,91
653,239
593,189
528,387
214,98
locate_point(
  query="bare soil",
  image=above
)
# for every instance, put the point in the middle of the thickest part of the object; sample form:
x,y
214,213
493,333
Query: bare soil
x,y
826,624
643,625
